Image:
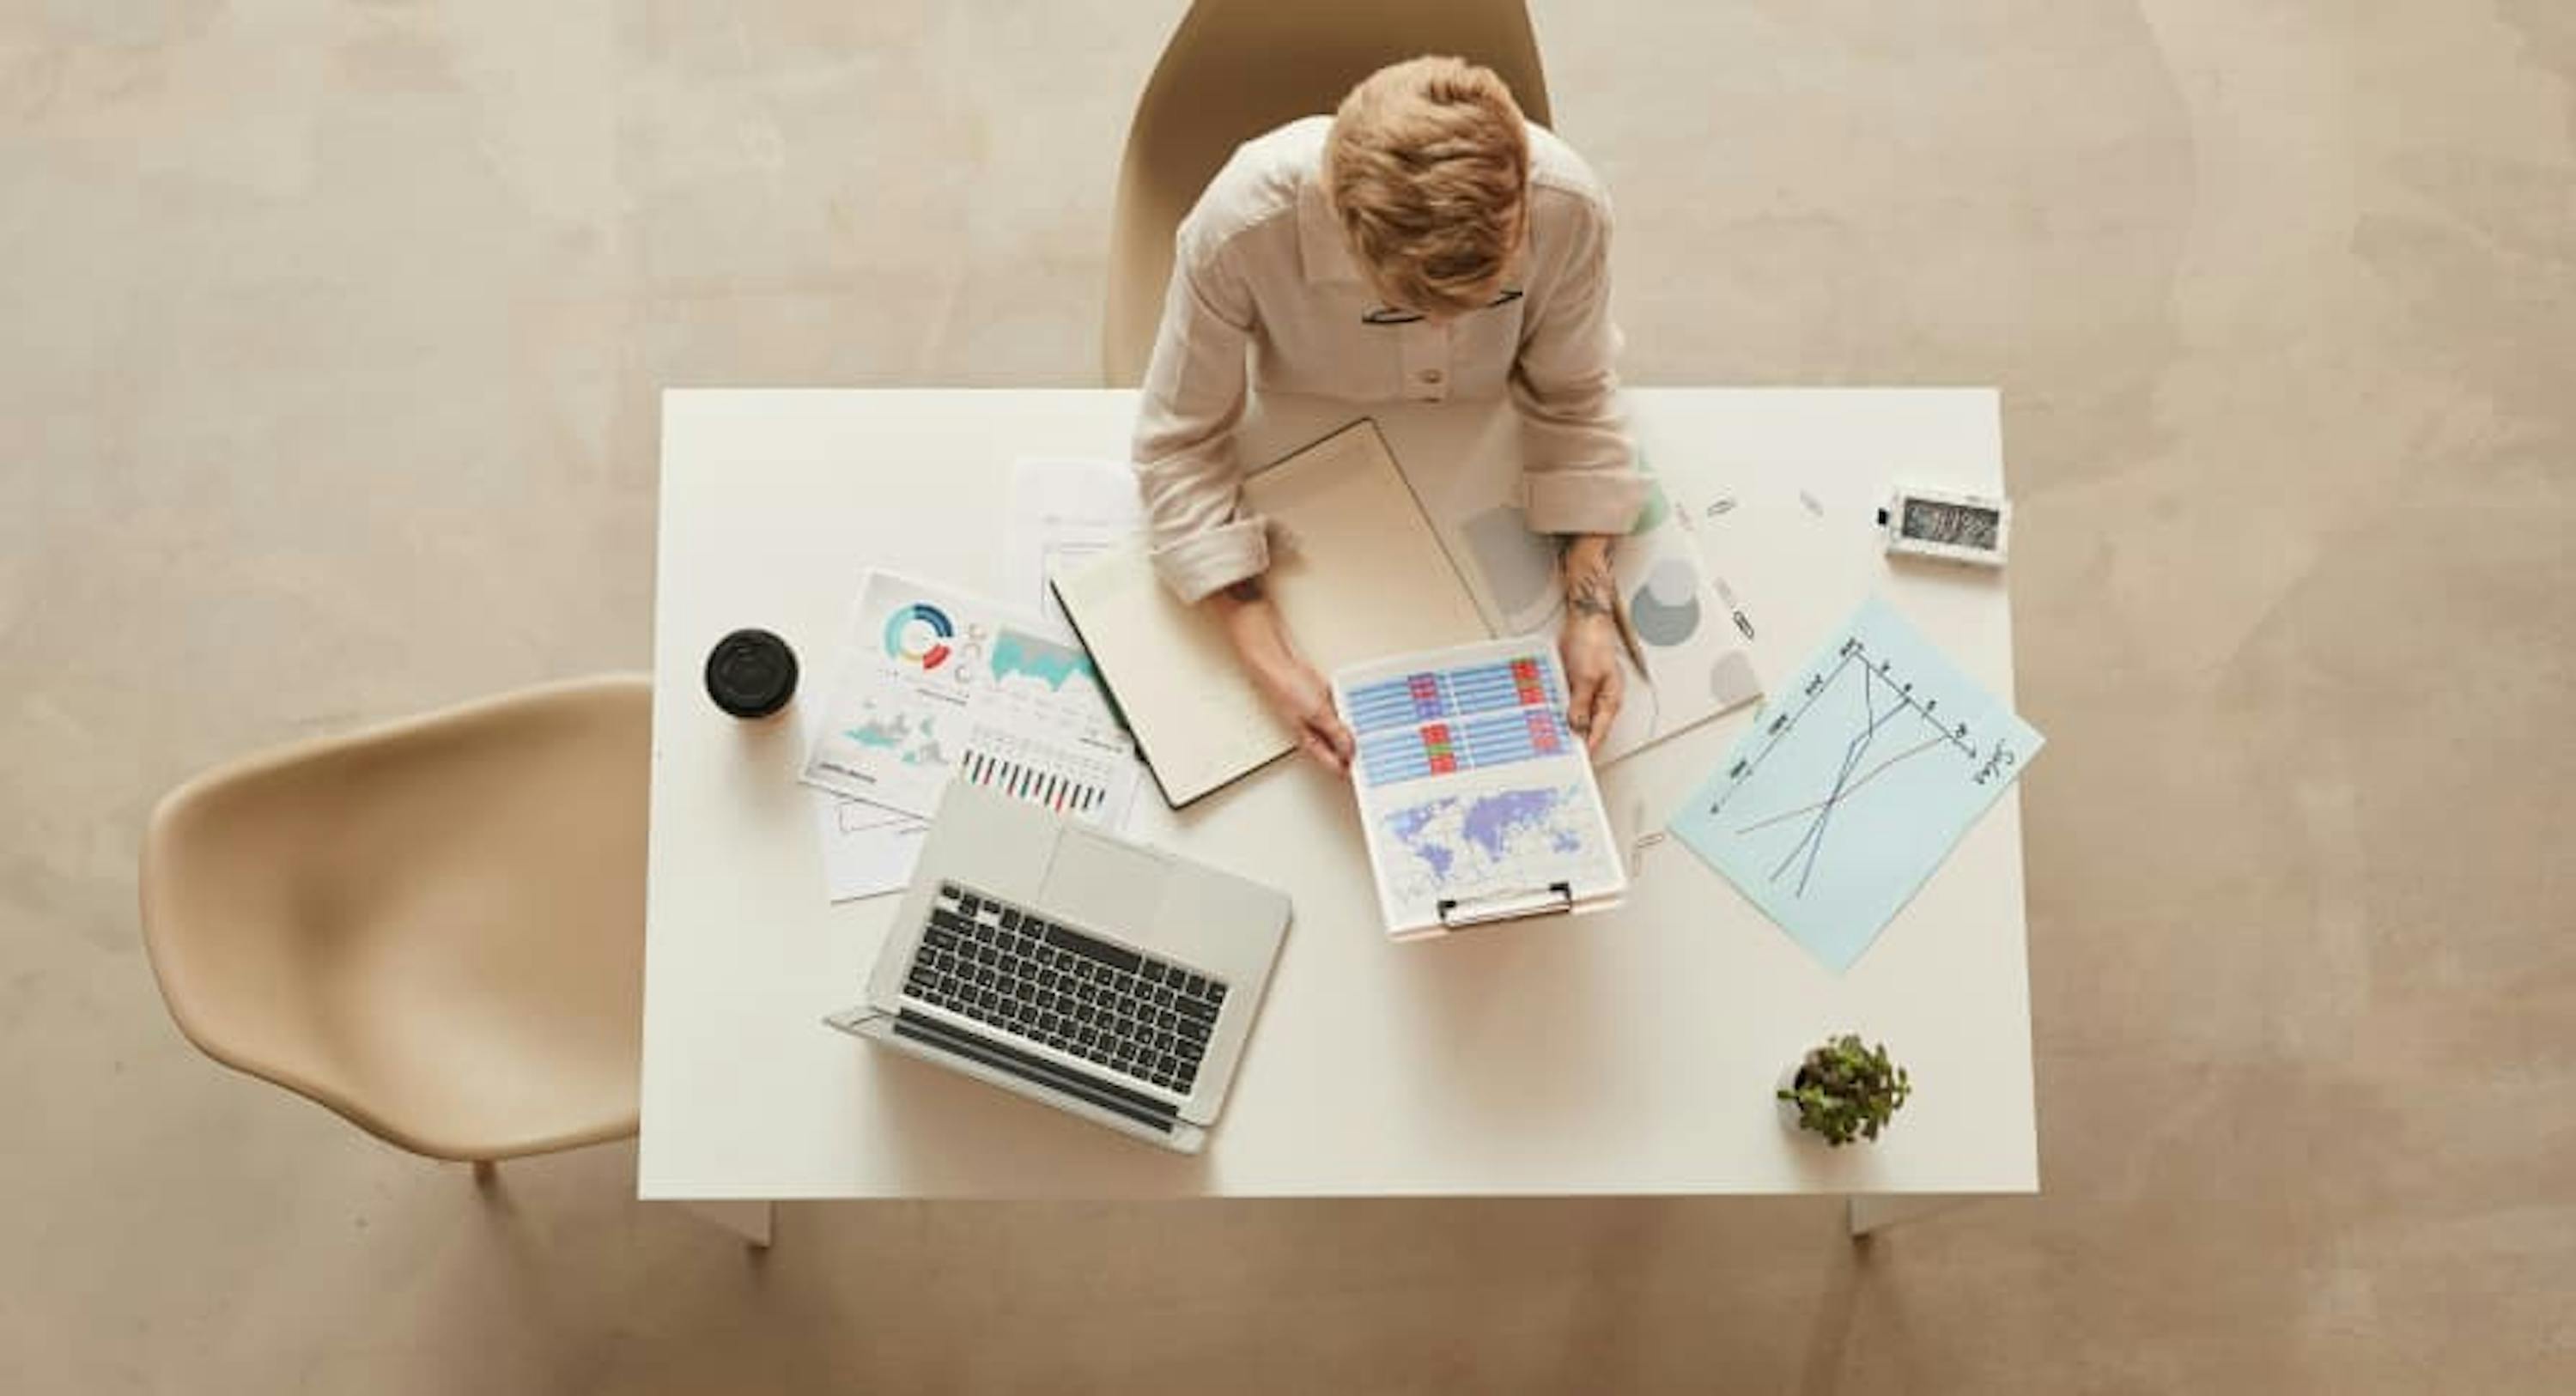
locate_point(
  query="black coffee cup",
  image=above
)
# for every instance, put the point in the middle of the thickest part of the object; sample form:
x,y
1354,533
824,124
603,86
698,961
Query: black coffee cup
x,y
751,673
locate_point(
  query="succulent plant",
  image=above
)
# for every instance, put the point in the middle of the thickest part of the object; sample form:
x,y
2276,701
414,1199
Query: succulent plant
x,y
1845,1091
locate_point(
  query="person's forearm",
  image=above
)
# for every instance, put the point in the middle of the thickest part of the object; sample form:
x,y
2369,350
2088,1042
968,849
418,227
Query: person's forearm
x,y
1592,591
1247,615
1589,587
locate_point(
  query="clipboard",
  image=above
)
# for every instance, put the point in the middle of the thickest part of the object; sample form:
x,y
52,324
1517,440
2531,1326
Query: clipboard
x,y
1478,805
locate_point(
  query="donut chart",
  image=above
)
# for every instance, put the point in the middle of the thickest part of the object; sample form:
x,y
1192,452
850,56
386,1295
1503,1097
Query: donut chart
x,y
918,634
1666,609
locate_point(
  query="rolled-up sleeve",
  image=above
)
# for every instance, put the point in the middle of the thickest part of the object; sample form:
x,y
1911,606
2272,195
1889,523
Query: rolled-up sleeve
x,y
1187,472
1580,472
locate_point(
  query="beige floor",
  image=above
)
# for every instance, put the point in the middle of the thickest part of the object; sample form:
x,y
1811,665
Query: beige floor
x,y
332,338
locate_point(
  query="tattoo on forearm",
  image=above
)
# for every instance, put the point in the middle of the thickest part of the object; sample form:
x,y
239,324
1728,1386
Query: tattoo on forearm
x,y
1588,591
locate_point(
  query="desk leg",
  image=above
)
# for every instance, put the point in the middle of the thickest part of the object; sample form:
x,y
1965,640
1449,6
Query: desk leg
x,y
749,1220
1875,1211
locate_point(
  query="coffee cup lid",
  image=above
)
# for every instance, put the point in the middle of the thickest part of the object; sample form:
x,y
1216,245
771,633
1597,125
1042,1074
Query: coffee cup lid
x,y
751,673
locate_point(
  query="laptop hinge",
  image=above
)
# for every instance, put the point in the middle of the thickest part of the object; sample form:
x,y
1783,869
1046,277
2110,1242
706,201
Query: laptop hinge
x,y
1036,1070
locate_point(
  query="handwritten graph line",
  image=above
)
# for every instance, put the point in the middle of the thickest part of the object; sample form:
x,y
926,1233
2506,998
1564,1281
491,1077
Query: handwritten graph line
x,y
1874,720
1812,842
1781,729
1874,772
1780,732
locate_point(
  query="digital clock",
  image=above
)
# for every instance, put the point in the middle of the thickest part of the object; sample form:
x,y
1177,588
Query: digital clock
x,y
1948,526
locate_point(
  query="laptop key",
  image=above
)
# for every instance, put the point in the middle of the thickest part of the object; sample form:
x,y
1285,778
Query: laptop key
x,y
1192,1010
1100,951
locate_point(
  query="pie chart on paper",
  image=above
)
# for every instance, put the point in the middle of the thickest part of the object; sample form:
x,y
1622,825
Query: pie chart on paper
x,y
918,634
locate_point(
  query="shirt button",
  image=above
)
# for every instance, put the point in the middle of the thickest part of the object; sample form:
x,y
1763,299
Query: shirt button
x,y
1430,375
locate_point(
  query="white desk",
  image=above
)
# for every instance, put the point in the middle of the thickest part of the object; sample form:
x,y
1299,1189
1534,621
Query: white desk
x,y
1629,1052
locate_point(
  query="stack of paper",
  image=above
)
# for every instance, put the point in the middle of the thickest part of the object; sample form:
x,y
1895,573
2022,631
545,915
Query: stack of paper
x,y
936,687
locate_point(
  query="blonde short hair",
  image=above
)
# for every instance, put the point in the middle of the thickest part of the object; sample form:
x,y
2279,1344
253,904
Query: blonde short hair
x,y
1428,167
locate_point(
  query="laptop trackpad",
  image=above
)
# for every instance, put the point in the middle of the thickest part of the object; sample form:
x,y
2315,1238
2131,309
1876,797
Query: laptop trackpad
x,y
1108,887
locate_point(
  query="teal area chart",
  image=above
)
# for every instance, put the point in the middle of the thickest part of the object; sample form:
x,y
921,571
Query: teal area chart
x,y
1853,785
1024,656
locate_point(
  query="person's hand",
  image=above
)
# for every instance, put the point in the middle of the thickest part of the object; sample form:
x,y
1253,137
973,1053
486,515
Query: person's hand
x,y
1592,641
1593,679
1287,682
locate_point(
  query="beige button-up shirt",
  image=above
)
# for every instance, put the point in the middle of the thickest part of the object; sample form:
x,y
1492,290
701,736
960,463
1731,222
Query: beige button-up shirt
x,y
1264,289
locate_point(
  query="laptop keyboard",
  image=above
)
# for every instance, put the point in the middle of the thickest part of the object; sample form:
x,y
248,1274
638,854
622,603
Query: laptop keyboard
x,y
1009,968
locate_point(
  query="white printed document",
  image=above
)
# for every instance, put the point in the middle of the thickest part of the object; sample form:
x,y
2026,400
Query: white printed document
x,y
1476,800
1064,513
937,686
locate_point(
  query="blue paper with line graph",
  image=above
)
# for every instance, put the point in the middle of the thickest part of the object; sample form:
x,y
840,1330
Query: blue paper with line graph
x,y
1854,783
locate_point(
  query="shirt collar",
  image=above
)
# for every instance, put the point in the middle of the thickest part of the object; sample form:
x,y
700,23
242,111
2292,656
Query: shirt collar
x,y
1325,252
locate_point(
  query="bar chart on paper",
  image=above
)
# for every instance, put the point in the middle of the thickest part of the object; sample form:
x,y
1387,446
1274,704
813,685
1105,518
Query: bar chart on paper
x,y
1854,784
1063,780
1440,722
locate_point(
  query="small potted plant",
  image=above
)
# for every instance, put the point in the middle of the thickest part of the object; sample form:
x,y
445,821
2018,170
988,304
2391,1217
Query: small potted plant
x,y
1843,1091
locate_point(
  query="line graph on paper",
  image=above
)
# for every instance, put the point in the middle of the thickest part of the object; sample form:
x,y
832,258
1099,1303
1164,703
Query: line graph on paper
x,y
1853,785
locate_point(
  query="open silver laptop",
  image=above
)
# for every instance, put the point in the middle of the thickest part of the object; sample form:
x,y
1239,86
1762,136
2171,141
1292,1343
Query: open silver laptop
x,y
1097,975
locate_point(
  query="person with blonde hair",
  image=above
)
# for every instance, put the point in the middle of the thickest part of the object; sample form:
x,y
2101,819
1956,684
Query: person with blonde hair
x,y
1427,244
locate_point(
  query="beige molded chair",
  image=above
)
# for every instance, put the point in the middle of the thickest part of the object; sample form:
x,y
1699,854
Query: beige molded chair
x,y
1237,68
435,928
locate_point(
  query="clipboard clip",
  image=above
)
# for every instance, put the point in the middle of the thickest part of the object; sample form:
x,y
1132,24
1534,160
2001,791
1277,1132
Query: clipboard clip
x,y
1555,899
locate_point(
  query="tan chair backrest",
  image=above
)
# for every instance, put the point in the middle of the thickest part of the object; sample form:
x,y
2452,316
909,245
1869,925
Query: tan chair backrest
x,y
435,928
1237,68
